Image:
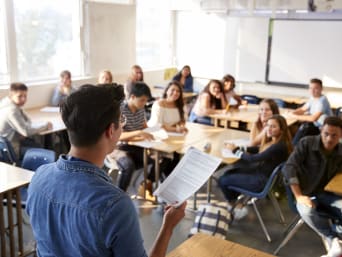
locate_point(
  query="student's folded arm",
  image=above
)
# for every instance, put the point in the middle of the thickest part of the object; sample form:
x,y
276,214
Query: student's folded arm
x,y
268,154
309,118
23,126
131,135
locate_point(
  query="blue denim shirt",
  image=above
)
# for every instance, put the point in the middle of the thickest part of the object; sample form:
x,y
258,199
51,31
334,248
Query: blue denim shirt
x,y
75,210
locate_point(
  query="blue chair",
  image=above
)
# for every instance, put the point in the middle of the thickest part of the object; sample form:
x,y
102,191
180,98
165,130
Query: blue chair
x,y
338,112
254,196
280,102
7,153
251,99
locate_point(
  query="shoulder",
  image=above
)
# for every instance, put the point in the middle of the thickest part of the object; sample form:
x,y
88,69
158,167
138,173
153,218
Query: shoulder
x,y
161,103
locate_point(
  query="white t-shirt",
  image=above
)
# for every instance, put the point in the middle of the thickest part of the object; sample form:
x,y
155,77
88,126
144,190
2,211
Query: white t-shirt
x,y
163,116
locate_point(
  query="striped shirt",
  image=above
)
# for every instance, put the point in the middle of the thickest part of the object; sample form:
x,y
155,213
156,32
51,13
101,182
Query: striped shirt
x,y
134,121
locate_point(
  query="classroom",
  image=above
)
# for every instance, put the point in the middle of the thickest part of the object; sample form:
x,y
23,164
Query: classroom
x,y
234,104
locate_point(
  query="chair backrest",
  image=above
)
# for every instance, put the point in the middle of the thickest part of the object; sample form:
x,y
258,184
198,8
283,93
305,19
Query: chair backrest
x,y
251,99
35,157
7,153
280,102
338,112
272,179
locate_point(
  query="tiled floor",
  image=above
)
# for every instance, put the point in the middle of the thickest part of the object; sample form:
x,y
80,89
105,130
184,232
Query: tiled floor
x,y
246,231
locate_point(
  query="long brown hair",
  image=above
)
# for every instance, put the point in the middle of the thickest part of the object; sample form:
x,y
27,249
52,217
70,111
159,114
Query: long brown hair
x,y
206,89
274,108
179,102
285,134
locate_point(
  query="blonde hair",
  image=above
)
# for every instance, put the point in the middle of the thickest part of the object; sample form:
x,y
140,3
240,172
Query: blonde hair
x,y
108,73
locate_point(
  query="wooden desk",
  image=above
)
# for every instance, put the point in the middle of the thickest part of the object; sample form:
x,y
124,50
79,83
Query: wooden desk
x,y
335,184
201,245
38,115
11,179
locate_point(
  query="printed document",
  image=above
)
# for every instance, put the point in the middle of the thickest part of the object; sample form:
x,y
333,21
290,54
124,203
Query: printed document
x,y
190,174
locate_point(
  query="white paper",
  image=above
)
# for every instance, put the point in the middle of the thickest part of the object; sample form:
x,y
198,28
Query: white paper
x,y
50,109
193,170
157,132
226,153
175,134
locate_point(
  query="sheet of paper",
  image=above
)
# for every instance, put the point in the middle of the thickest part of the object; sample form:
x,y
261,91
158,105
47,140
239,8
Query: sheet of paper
x,y
175,134
157,132
226,153
49,109
193,170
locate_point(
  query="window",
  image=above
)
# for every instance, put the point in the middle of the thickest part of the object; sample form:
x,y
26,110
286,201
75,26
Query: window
x,y
43,38
154,34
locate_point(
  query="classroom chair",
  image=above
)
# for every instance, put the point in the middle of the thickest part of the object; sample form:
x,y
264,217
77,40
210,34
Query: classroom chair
x,y
7,153
338,112
280,102
252,197
251,99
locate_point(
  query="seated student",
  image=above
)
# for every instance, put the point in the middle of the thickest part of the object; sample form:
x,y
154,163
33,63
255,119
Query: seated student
x,y
74,208
313,112
185,78
129,157
233,99
63,89
314,162
267,108
137,75
15,125
257,163
105,77
210,101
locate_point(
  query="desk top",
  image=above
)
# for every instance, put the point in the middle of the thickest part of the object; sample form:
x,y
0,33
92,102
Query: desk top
x,y
201,245
12,177
45,114
335,184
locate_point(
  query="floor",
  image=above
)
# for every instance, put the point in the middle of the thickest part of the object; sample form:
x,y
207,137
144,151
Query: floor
x,y
246,231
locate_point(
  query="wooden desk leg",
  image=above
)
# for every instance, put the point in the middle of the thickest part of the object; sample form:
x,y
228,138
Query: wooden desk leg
x,y
2,227
157,170
19,222
209,190
145,170
10,223
216,122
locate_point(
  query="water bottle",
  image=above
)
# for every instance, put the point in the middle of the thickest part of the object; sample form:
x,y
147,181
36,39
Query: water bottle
x,y
207,147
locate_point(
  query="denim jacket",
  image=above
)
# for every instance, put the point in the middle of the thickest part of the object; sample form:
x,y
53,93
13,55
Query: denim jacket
x,y
75,210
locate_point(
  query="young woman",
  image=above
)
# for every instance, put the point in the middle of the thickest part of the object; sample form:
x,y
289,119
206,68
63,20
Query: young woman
x,y
185,78
137,75
105,77
210,101
63,90
228,87
267,108
259,162
168,112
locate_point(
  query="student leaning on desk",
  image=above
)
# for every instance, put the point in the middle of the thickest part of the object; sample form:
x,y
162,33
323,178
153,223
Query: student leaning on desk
x,y
74,208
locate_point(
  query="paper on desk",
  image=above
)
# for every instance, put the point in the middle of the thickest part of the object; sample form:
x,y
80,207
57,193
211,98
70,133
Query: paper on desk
x,y
157,132
226,153
49,109
193,170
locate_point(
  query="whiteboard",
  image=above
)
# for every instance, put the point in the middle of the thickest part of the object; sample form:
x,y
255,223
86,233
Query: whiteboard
x,y
304,49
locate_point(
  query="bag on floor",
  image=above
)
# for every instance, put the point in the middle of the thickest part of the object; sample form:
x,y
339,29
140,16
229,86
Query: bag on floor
x,y
211,219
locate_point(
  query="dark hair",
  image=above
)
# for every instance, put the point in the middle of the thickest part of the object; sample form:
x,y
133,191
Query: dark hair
x,y
179,102
138,67
317,81
179,73
65,73
229,78
206,89
285,135
18,86
89,111
139,89
274,108
333,121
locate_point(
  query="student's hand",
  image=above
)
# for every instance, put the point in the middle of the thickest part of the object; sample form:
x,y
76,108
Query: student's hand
x,y
146,136
173,215
306,200
180,128
229,146
49,126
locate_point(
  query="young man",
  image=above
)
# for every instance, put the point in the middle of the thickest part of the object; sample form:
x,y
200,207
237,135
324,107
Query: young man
x,y
314,162
63,90
313,112
15,125
129,157
74,208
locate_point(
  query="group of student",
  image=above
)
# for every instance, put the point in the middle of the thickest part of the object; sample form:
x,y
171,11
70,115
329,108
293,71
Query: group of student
x,y
79,195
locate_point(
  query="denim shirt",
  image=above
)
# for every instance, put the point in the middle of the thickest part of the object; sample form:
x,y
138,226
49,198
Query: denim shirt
x,y
75,210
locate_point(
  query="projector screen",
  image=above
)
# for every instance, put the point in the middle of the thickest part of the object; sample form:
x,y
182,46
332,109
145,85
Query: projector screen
x,y
304,49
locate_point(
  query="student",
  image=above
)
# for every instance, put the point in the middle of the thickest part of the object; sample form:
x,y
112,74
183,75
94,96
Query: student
x,y
210,101
63,90
314,162
257,163
74,208
129,157
137,75
267,108
15,125
105,77
185,78
232,98
313,112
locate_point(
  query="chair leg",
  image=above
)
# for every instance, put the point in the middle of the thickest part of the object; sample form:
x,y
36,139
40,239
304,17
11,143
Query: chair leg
x,y
291,231
261,220
277,207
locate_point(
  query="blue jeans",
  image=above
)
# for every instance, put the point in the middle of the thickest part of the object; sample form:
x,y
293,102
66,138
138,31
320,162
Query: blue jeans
x,y
328,207
200,119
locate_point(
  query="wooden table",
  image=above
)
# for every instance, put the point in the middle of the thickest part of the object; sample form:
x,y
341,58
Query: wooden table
x,y
335,184
11,179
201,245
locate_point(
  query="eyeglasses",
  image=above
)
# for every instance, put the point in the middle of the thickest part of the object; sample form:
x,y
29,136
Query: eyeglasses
x,y
123,120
